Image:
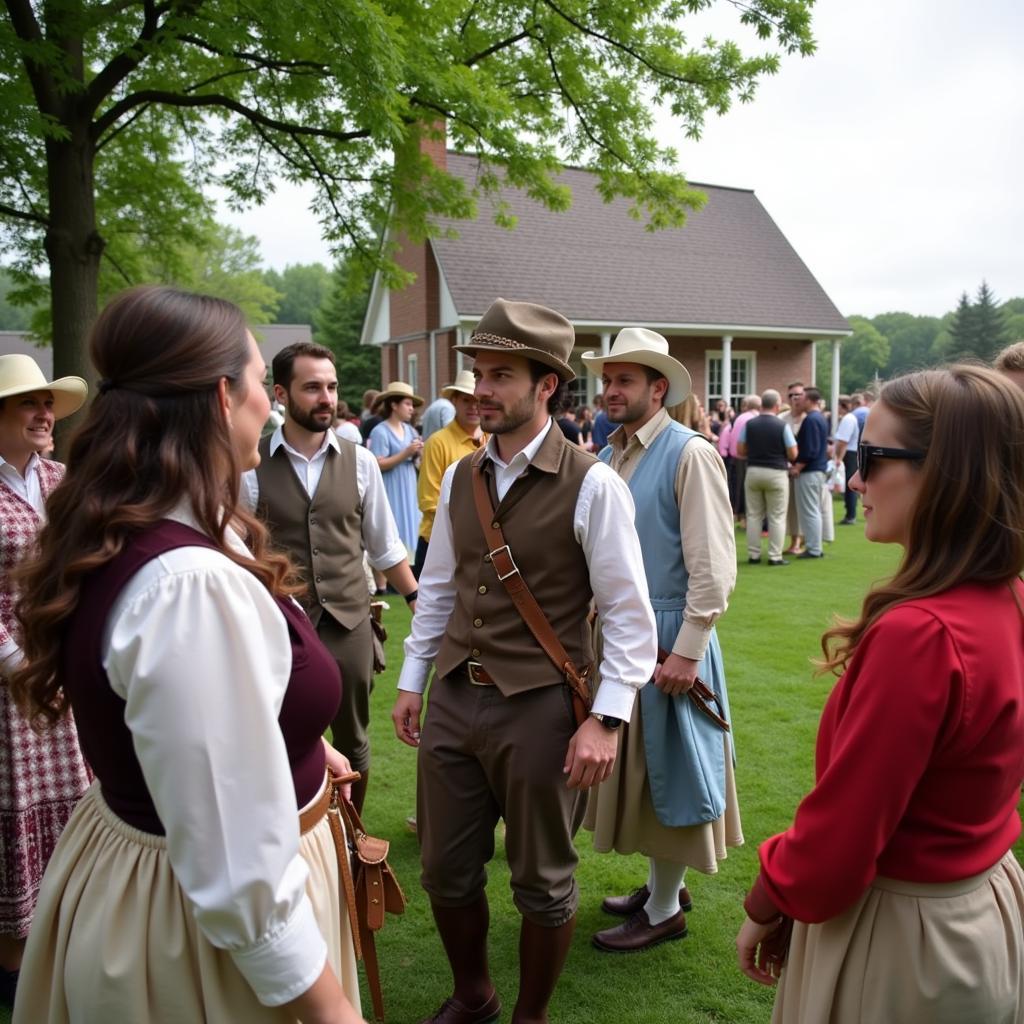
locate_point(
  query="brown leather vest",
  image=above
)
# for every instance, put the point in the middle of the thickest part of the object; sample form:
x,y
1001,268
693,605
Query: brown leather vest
x,y
323,535
536,518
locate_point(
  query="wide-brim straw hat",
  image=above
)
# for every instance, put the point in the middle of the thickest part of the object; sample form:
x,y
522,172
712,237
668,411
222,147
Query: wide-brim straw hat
x,y
397,389
525,329
21,375
648,348
464,384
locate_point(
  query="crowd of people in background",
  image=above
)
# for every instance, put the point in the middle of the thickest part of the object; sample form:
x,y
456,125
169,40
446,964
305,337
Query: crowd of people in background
x,y
205,569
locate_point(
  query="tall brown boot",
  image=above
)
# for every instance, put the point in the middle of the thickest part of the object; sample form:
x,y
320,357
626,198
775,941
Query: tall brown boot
x,y
359,791
542,953
463,932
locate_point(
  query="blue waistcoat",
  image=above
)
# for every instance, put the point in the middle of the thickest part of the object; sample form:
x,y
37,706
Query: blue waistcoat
x,y
685,753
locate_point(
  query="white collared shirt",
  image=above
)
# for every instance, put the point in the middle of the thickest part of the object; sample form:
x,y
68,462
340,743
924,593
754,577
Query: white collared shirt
x,y
383,545
26,487
199,651
603,527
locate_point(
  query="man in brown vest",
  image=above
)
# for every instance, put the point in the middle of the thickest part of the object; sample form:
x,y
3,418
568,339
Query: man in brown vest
x,y
323,501
500,739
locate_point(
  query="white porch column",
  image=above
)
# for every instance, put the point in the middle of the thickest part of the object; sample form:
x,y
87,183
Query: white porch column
x,y
433,365
727,370
459,335
400,368
834,403
606,344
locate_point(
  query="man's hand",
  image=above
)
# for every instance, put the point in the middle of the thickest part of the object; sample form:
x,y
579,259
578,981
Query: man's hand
x,y
591,755
675,675
406,717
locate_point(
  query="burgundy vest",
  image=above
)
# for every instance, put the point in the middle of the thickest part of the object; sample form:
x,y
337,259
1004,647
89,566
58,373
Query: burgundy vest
x,y
310,702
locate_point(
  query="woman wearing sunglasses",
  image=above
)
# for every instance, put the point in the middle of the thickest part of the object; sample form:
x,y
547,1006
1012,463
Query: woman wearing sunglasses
x,y
897,875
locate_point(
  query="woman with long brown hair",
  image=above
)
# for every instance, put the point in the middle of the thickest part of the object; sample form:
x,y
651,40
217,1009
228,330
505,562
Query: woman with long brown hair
x,y
898,870
182,889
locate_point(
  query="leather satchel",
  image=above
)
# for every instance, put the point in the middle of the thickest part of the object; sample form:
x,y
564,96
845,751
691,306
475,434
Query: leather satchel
x,y
578,680
371,888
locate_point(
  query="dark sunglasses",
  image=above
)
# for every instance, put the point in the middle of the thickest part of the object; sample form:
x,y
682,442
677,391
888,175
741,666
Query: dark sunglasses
x,y
867,453
795,394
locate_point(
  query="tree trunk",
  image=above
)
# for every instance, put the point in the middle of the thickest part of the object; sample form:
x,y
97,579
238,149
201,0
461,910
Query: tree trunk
x,y
73,249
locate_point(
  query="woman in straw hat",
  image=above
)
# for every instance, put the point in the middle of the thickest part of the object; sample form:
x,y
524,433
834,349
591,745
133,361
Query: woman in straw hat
x,y
899,870
41,777
397,447
198,879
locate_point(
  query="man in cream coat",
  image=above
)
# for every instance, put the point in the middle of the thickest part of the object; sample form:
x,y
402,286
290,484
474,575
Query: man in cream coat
x,y
671,795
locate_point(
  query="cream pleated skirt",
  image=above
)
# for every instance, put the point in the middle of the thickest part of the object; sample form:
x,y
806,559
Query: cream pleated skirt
x,y
114,940
622,817
913,954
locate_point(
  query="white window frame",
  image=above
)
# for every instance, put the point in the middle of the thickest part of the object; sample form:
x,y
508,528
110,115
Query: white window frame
x,y
748,355
412,370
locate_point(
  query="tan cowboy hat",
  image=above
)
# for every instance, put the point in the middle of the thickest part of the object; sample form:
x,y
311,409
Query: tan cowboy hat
x,y
20,374
465,384
525,329
648,348
397,389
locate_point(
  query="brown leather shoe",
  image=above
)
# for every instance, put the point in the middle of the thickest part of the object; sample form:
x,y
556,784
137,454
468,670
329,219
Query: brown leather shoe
x,y
637,932
625,906
451,1011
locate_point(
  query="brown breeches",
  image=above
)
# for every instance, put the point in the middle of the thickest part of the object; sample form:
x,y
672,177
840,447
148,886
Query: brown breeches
x,y
482,757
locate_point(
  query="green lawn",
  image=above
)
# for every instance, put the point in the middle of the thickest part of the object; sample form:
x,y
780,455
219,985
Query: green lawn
x,y
768,636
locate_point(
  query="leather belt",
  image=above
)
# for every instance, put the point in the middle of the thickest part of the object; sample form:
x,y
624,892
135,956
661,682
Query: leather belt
x,y
477,674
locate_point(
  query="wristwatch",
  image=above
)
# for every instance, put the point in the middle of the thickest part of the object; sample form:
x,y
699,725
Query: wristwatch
x,y
606,720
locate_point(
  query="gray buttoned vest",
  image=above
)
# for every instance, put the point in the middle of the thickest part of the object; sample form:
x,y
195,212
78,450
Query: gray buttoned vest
x,y
322,535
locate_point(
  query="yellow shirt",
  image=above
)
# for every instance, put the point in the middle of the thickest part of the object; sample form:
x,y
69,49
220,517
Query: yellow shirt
x,y
444,447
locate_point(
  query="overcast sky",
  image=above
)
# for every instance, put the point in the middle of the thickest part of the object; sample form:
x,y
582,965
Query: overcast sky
x,y
892,159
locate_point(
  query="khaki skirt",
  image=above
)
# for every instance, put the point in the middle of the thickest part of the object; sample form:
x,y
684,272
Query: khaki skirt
x,y
114,940
913,954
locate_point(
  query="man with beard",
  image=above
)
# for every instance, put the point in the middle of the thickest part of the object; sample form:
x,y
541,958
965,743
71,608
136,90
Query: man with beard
x,y
323,501
500,739
671,795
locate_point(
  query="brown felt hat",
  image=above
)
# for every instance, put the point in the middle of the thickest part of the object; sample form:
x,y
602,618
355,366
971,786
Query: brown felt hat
x,y
525,329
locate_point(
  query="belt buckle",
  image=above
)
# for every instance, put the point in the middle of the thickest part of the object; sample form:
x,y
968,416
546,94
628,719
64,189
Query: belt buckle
x,y
472,667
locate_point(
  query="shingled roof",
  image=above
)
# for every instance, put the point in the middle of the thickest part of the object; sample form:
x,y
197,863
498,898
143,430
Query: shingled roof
x,y
730,266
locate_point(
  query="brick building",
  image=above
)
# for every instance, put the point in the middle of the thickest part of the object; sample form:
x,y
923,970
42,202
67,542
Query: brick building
x,y
738,305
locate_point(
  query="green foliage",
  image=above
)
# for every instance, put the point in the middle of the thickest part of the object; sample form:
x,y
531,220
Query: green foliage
x,y
303,287
863,354
149,103
338,324
13,317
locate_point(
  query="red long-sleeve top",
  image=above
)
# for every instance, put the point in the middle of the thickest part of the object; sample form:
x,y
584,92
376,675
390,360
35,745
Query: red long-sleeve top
x,y
919,759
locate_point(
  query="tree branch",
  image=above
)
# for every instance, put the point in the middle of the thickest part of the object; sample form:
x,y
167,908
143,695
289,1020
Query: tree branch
x,y
100,143
27,29
618,45
174,99
26,215
502,45
587,130
121,66
254,58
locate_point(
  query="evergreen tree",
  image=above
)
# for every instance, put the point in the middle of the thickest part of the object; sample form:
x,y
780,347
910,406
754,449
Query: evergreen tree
x,y
963,330
338,324
991,333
